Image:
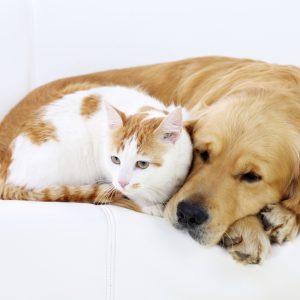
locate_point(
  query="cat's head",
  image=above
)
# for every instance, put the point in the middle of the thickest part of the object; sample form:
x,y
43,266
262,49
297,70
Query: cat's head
x,y
149,154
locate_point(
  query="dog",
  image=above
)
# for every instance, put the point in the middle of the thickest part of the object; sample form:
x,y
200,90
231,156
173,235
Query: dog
x,y
243,186
246,158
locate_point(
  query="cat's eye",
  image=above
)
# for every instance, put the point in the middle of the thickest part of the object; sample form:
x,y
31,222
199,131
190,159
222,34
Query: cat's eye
x,y
115,160
142,164
250,177
204,155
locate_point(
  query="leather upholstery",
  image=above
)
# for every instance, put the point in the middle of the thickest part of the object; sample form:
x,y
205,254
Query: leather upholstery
x,y
85,252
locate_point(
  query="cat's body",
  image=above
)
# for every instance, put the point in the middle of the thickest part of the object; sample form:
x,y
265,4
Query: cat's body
x,y
81,142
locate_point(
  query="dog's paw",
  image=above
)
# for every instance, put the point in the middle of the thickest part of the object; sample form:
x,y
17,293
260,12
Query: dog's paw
x,y
246,241
280,224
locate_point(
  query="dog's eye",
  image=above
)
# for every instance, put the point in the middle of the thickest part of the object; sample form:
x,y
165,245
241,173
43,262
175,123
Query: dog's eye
x,y
250,177
204,155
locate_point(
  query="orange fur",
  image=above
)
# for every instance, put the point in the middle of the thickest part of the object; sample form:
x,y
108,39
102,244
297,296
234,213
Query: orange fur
x,y
90,105
95,194
40,131
148,141
198,84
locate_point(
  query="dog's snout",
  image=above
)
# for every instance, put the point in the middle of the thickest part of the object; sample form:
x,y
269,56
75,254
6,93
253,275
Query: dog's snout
x,y
190,214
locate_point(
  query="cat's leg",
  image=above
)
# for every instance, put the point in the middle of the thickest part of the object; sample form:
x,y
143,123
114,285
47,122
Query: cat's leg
x,y
247,241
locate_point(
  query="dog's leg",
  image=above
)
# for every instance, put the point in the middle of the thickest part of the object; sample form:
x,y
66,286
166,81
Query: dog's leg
x,y
247,241
281,221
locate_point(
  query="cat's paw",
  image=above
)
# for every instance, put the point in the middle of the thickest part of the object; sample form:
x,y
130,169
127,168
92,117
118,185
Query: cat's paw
x,y
280,224
246,241
154,210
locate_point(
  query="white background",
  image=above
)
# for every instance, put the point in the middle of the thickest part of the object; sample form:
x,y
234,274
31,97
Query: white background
x,y
42,40
66,251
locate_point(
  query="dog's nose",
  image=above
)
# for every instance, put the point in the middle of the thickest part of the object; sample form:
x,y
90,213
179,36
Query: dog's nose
x,y
190,214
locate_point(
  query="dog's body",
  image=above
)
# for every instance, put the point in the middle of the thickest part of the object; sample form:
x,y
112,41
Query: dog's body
x,y
246,141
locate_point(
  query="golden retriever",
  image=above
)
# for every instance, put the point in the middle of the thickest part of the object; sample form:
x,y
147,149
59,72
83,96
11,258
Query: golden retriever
x,y
246,136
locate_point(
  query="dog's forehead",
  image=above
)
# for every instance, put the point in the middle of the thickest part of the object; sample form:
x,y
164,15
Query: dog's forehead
x,y
262,144
246,127
234,126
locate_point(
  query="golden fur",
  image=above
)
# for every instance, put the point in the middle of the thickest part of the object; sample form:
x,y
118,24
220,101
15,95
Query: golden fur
x,y
257,131
247,118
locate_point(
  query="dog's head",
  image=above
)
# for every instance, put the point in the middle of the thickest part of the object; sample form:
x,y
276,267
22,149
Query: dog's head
x,y
245,157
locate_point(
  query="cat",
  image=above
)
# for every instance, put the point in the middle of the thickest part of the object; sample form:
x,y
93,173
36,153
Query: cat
x,y
100,145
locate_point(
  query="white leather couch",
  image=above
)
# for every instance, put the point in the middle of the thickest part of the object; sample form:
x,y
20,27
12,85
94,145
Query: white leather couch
x,y
56,251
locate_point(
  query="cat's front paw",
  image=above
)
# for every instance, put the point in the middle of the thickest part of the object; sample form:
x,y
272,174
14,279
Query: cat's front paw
x,y
154,210
246,241
107,194
280,224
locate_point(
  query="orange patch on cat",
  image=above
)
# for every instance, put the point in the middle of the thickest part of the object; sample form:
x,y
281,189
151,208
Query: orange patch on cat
x,y
148,142
135,185
40,131
90,105
156,163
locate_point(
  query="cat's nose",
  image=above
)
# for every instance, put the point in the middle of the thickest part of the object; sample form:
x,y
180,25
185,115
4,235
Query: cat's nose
x,y
123,183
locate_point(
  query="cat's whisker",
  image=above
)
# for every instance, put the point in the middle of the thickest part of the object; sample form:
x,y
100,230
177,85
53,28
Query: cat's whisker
x,y
157,191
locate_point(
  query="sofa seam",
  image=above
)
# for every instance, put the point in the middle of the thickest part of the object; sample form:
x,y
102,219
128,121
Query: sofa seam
x,y
114,250
110,253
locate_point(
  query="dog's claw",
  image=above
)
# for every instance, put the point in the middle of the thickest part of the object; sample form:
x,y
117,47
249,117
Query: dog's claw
x,y
227,241
241,255
246,258
266,224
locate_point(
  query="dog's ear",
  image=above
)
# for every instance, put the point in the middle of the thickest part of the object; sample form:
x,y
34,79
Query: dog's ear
x,y
291,199
189,125
195,120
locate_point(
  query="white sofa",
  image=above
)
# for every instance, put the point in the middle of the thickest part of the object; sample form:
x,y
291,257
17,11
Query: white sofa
x,y
68,251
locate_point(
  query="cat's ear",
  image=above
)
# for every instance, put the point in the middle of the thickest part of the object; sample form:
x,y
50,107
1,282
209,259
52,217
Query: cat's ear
x,y
171,127
114,117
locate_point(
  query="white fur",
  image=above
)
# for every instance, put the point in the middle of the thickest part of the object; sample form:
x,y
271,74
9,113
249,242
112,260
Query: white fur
x,y
81,155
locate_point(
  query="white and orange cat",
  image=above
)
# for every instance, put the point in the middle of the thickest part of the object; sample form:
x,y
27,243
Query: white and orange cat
x,y
89,144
